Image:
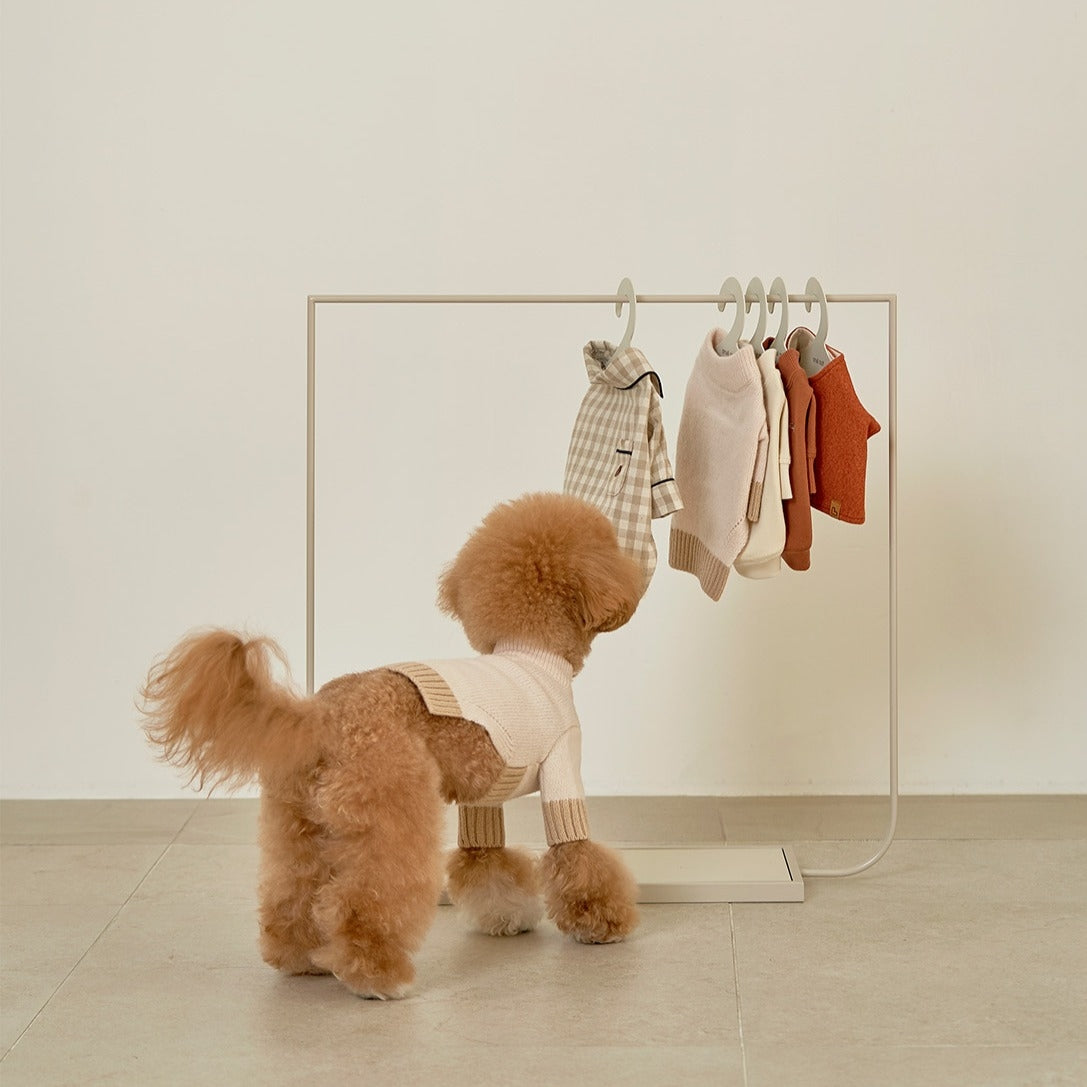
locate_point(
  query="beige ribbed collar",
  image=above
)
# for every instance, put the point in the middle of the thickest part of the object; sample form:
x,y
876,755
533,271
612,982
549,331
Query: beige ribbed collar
x,y
731,372
556,666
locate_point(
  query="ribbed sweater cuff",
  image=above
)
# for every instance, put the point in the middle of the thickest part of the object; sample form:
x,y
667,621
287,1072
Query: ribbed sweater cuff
x,y
687,552
481,828
565,821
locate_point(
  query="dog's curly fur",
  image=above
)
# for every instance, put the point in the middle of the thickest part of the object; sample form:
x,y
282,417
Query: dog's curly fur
x,y
353,779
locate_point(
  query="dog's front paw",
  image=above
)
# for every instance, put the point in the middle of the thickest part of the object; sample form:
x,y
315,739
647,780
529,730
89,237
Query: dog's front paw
x,y
590,894
597,922
368,991
496,889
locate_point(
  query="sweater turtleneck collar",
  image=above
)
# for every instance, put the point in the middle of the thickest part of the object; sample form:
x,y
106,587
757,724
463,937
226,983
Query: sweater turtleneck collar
x,y
556,666
731,372
788,364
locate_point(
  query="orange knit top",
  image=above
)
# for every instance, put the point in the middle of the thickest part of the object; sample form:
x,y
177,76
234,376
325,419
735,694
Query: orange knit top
x,y
843,427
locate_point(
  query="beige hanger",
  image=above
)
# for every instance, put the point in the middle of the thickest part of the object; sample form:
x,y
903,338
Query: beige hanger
x,y
731,291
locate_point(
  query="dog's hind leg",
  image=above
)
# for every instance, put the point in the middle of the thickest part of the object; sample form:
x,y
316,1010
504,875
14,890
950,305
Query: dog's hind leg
x,y
292,868
383,810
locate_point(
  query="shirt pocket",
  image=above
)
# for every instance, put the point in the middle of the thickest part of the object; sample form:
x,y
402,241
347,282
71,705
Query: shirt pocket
x,y
620,468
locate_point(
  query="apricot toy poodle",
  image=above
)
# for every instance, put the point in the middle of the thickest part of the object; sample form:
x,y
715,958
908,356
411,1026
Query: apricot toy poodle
x,y
354,778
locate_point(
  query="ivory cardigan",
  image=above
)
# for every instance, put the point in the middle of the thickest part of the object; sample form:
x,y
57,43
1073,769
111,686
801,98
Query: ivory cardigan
x,y
761,555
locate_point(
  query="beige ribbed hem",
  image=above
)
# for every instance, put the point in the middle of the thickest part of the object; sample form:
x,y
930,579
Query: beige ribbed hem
x,y
507,784
687,552
439,699
565,821
481,828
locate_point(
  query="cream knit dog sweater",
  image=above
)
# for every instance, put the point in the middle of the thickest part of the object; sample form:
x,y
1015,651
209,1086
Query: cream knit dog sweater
x,y
721,453
523,696
761,555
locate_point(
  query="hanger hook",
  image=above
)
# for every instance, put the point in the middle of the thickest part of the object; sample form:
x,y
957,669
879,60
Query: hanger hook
x,y
778,293
755,287
626,295
731,291
814,289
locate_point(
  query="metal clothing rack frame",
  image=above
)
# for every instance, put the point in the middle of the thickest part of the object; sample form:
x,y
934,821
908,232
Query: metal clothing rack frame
x,y
729,873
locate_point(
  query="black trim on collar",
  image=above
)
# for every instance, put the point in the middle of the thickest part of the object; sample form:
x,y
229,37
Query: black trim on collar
x,y
656,381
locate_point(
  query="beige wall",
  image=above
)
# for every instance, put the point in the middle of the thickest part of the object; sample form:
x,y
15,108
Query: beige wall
x,y
177,178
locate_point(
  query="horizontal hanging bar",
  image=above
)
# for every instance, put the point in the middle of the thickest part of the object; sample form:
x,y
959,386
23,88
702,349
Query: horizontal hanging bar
x,y
573,299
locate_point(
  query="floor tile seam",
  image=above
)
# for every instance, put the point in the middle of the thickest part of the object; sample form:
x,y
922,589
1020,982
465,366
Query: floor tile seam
x,y
986,838
966,1045
95,836
89,948
777,1037
807,837
899,839
736,988
188,819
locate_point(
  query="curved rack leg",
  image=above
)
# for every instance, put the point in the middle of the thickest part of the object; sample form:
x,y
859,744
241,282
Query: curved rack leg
x,y
892,550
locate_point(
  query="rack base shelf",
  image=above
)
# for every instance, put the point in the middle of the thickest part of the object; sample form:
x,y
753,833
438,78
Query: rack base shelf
x,y
735,873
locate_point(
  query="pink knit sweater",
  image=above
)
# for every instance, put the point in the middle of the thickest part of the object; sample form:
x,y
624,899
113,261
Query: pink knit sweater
x,y
721,454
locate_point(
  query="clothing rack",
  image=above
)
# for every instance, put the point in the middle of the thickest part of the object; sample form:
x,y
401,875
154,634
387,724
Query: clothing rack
x,y
722,874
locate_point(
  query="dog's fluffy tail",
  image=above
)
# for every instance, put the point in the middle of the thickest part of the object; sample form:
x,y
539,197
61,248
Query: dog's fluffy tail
x,y
213,708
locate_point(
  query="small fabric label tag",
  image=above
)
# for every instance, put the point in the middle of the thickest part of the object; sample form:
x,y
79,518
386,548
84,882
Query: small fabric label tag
x,y
835,508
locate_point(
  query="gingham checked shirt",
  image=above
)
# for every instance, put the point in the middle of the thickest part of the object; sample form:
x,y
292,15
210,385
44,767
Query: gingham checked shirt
x,y
618,458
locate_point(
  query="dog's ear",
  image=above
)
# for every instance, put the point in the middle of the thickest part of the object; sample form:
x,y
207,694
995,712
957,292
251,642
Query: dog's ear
x,y
448,590
611,588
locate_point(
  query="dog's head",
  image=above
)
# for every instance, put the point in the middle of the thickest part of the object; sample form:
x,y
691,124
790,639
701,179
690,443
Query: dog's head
x,y
544,569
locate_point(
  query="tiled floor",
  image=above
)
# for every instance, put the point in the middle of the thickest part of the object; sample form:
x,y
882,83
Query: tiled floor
x,y
129,957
